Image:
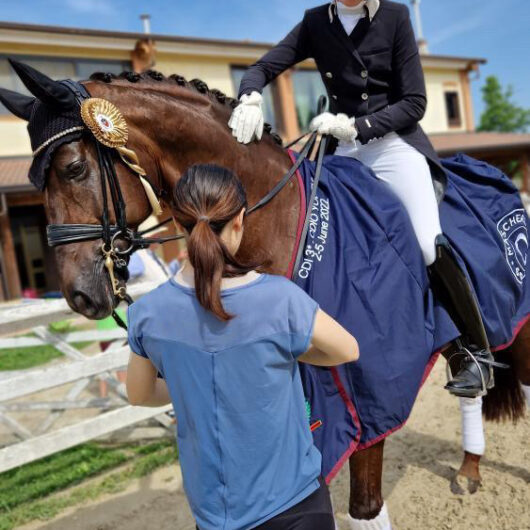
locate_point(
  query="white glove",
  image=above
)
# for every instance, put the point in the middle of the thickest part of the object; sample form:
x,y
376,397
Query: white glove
x,y
339,126
247,121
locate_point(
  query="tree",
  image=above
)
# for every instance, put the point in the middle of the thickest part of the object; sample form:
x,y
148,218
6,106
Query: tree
x,y
501,113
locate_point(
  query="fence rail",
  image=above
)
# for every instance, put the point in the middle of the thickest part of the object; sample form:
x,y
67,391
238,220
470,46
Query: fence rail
x,y
78,370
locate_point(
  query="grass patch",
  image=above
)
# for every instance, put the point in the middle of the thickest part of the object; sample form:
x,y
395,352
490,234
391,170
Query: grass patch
x,y
23,358
55,474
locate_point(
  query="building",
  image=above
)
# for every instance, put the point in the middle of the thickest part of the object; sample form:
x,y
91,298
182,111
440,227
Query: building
x,y
25,260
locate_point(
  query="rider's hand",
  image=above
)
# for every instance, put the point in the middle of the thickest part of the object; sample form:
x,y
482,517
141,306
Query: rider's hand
x,y
246,121
339,126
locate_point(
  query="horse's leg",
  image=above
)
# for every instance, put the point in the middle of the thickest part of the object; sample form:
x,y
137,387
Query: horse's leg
x,y
468,476
504,402
367,509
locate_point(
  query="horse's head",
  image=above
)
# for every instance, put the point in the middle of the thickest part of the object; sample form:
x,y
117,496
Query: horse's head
x,y
172,124
67,167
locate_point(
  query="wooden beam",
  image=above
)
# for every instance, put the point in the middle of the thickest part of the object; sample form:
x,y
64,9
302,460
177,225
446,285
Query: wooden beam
x,y
29,450
8,250
287,104
29,198
525,168
91,335
32,381
91,403
468,101
42,312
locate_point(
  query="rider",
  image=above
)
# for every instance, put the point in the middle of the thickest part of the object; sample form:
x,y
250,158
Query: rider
x,y
229,365
368,59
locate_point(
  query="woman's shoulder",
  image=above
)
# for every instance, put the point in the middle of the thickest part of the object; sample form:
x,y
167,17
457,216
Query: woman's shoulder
x,y
275,281
152,300
281,287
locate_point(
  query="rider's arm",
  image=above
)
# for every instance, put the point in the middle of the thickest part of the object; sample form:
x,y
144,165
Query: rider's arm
x,y
408,83
295,47
331,344
144,388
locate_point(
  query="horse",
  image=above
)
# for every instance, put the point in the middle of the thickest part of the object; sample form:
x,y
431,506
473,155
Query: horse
x,y
174,123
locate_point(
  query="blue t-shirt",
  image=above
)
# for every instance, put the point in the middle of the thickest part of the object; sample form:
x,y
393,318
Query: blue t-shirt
x,y
245,447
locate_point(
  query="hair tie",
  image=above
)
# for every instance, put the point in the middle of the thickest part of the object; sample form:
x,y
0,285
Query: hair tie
x,y
204,218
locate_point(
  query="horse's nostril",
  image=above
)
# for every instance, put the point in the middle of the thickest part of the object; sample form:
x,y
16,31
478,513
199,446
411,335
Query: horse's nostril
x,y
83,304
94,307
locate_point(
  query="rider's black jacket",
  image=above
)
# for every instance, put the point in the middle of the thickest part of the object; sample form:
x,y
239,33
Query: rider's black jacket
x,y
374,74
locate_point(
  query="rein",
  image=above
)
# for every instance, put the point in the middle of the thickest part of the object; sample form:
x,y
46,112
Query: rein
x,y
65,234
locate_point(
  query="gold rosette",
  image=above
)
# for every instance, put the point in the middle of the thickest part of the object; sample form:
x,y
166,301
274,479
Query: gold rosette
x,y
105,121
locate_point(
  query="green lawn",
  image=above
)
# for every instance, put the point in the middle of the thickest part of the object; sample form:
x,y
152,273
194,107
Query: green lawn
x,y
26,493
22,358
39,490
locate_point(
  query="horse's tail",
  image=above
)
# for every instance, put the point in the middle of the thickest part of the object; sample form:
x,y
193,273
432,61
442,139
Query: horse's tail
x,y
505,402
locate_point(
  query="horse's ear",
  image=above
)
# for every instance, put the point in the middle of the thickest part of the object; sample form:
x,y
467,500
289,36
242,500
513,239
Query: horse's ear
x,y
19,104
44,88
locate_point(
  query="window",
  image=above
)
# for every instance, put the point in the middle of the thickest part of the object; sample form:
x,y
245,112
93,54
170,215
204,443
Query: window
x,y
56,68
308,87
452,105
269,110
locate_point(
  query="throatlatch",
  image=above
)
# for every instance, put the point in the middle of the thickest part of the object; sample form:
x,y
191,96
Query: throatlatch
x,y
452,288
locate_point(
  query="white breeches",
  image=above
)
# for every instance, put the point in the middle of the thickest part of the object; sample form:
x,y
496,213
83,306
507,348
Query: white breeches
x,y
407,173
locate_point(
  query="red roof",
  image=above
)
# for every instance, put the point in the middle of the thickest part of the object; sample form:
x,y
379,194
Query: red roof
x,y
14,174
478,142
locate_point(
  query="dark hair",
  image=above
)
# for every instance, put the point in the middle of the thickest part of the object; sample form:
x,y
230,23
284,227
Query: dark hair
x,y
206,198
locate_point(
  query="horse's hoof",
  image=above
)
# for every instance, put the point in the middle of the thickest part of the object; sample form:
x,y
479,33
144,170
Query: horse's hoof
x,y
462,485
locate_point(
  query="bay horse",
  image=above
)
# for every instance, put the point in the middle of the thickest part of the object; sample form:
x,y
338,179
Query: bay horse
x,y
173,124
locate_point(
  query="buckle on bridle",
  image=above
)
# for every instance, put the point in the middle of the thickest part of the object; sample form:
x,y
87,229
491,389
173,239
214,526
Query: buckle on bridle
x,y
112,259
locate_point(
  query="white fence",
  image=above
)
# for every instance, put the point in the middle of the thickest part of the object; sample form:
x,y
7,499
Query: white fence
x,y
78,370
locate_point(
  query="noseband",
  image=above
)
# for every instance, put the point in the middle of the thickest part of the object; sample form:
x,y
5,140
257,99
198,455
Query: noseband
x,y
110,234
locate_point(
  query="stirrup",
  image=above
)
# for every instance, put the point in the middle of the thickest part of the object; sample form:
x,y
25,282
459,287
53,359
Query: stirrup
x,y
464,352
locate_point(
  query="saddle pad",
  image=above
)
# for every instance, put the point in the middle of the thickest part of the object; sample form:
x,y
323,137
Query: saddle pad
x,y
363,265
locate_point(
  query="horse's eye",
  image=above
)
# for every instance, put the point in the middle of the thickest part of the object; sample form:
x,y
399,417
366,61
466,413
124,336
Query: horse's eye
x,y
75,169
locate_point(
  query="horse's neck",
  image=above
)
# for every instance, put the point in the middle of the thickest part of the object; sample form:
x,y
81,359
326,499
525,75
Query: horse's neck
x,y
173,128
176,127
208,139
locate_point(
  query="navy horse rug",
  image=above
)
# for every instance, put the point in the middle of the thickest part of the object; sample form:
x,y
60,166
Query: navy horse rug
x,y
363,265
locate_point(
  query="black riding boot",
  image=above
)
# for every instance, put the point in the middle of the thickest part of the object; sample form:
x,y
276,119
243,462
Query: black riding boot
x,y
452,288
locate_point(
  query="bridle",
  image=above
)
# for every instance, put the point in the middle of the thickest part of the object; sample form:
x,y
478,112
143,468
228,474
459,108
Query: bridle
x,y
114,257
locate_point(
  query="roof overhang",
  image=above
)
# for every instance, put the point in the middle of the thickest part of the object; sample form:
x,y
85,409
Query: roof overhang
x,y
480,142
120,42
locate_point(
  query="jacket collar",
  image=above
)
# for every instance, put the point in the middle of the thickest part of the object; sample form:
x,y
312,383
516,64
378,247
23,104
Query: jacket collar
x,y
372,6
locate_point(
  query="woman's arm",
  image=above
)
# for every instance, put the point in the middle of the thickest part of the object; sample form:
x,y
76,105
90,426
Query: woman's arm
x,y
331,344
290,51
408,82
143,387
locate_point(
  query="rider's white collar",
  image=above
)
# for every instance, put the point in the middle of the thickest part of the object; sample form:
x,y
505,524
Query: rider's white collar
x,y
372,7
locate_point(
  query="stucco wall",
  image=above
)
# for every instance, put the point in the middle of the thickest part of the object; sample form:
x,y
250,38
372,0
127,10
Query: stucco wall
x,y
438,82
214,70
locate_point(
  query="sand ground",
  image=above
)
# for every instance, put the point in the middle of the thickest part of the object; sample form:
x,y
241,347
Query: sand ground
x,y
419,462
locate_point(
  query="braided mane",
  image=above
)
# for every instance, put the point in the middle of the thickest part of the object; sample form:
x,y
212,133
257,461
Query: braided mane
x,y
195,84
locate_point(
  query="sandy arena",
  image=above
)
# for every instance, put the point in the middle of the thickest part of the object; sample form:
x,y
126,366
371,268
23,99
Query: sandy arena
x,y
419,462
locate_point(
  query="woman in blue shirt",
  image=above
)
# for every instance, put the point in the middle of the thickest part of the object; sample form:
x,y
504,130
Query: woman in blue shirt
x,y
226,341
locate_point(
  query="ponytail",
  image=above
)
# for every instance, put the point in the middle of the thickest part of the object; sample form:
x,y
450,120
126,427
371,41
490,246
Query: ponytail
x,y
207,254
206,198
